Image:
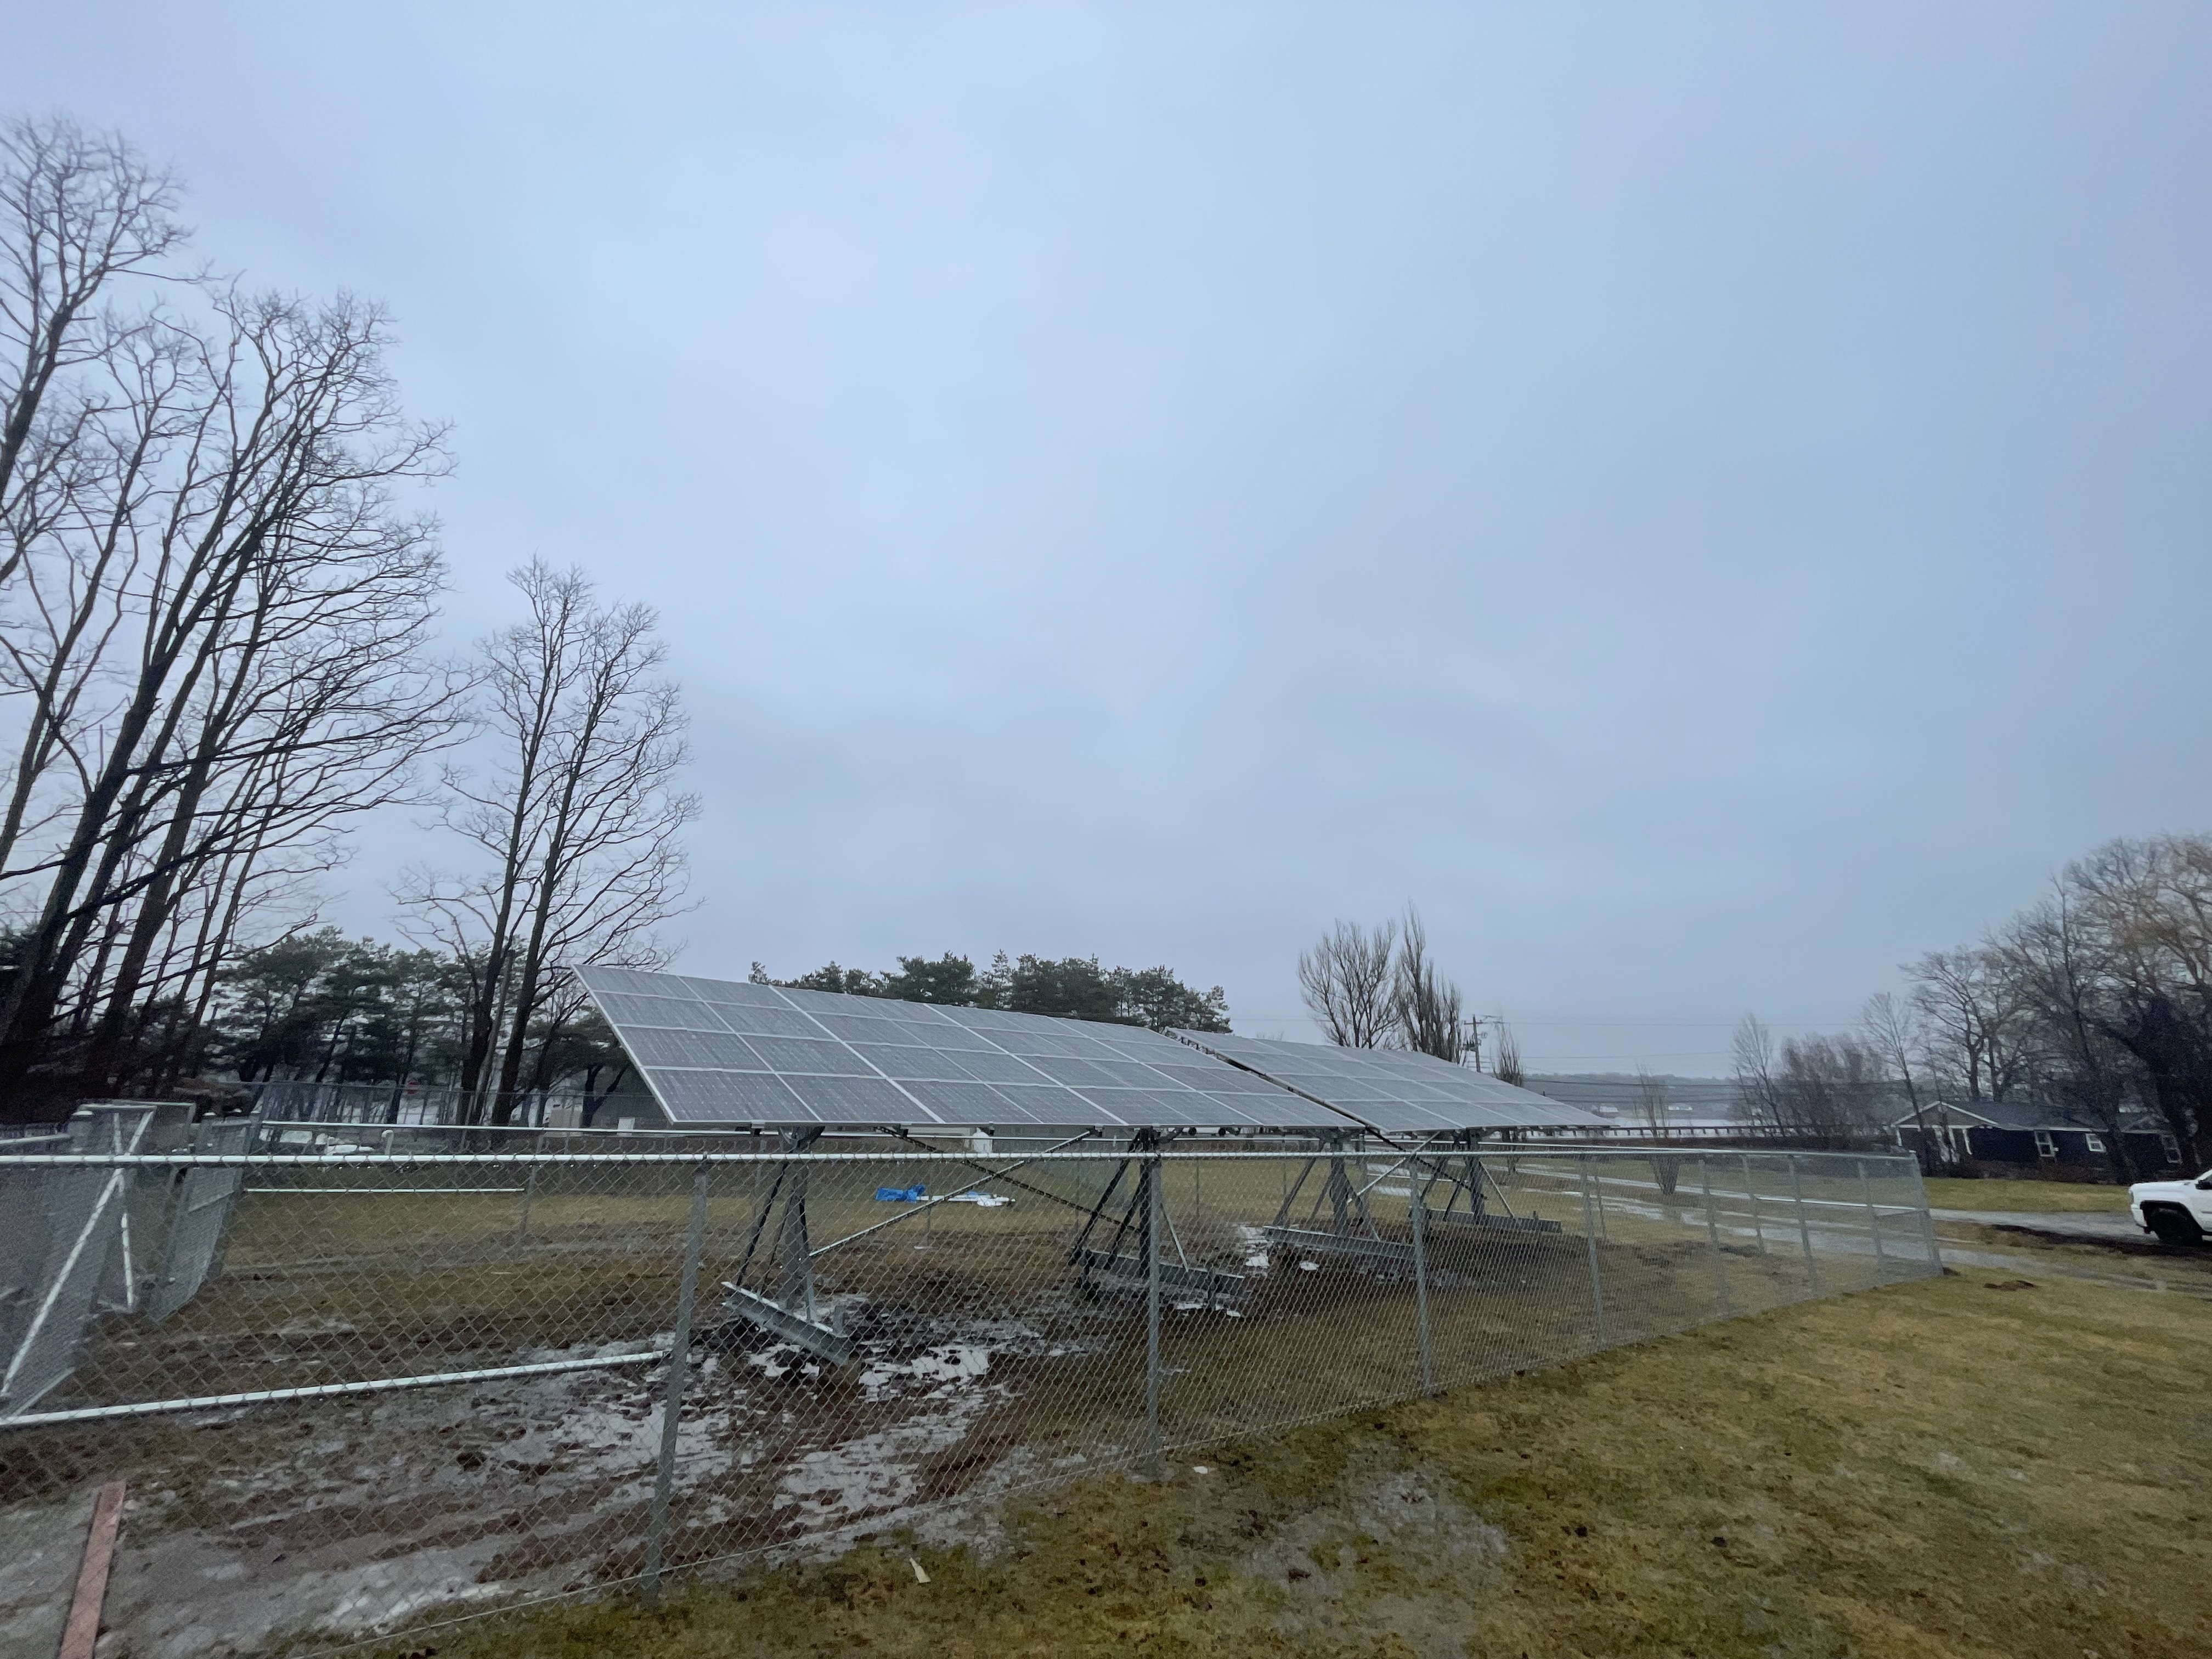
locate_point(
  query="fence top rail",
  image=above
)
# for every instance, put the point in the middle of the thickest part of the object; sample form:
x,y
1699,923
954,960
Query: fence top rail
x,y
888,1155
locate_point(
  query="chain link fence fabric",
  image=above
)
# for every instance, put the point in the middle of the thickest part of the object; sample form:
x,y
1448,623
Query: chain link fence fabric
x,y
349,1390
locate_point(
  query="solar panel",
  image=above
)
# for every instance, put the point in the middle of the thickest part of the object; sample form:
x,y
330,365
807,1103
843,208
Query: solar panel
x,y
716,1051
1394,1089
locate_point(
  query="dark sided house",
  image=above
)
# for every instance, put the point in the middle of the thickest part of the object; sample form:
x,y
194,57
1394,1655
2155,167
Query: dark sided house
x,y
2048,1137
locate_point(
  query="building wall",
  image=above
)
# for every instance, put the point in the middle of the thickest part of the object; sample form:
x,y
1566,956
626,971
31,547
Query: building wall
x,y
2015,1150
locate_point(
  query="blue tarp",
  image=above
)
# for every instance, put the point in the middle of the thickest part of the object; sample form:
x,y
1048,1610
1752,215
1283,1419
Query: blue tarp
x,y
901,1194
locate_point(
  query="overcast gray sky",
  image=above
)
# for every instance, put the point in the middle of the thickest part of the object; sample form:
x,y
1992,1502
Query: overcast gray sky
x,y
1711,500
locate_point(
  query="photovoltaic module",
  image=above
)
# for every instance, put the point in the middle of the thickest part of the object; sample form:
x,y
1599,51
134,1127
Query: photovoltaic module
x,y
730,1053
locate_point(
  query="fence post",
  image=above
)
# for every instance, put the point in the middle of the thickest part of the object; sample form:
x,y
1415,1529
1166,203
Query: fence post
x,y
1713,1233
679,1365
1873,1224
1152,1231
1928,1222
1750,1197
1420,1215
1804,1230
529,1195
1589,1238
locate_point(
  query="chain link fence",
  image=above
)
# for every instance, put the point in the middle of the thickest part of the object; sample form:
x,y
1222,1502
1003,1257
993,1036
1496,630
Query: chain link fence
x,y
351,1388
305,1101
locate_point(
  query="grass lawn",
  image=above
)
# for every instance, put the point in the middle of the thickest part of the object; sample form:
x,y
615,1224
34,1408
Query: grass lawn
x,y
1942,1468
2051,1197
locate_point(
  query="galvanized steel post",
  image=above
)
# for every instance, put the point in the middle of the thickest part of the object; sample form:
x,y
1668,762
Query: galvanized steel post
x,y
671,1409
1804,1229
1750,1197
1713,1234
1420,1211
529,1195
1589,1238
1873,1224
1927,1221
1152,1231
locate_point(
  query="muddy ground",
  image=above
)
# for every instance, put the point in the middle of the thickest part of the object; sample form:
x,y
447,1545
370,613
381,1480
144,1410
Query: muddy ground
x,y
977,1372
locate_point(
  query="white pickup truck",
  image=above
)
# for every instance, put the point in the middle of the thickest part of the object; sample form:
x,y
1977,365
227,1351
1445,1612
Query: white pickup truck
x,y
2179,1212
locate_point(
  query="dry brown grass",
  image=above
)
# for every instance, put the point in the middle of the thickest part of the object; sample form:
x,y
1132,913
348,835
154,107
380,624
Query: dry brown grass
x,y
1943,1468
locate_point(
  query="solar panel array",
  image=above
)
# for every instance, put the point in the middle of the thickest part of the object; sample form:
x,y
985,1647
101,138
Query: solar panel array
x,y
716,1051
1396,1089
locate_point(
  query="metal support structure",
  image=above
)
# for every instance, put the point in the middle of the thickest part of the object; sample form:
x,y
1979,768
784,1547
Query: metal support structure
x,y
1750,1197
1928,1224
1873,1224
1138,1219
1419,1213
529,1197
1152,1245
672,1409
792,1312
1351,1229
794,1278
1337,1189
1473,1171
1713,1234
1804,1228
1589,1239
1347,1205
1312,1241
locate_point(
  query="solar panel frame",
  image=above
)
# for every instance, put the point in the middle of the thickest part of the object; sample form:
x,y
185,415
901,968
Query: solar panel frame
x,y
748,1021
1393,1092
719,1051
708,1051
911,1065
716,1051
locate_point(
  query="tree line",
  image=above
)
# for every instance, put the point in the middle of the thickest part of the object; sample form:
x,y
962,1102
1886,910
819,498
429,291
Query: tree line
x,y
1073,988
2095,1001
216,619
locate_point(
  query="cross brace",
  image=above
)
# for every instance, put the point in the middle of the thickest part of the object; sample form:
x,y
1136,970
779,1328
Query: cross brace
x,y
790,1313
1135,1225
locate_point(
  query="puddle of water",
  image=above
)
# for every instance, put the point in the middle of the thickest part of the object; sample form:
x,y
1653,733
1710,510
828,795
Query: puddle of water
x,y
951,1363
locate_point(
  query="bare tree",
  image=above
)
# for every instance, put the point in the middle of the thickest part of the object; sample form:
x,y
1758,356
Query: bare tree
x,y
2148,906
1972,1017
2058,963
78,210
1429,1014
1345,982
212,629
1829,1088
1758,1096
579,816
1505,1050
1892,1031
1651,1103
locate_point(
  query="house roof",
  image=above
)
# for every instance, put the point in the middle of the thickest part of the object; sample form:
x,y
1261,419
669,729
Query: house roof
x,y
2016,1114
